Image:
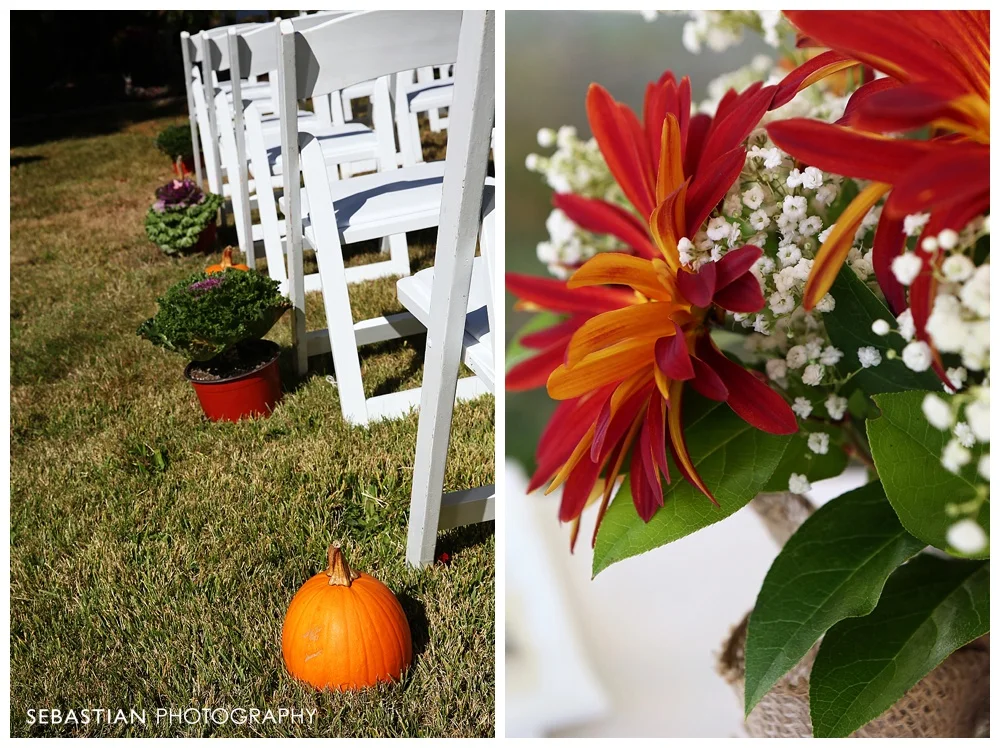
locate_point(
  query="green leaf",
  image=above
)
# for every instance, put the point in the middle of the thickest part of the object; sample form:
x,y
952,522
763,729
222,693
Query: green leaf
x,y
731,456
850,327
798,458
516,353
833,568
907,453
930,607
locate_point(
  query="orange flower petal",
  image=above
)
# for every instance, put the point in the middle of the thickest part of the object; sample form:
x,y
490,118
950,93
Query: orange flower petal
x,y
675,429
612,364
671,174
667,225
835,249
616,269
640,321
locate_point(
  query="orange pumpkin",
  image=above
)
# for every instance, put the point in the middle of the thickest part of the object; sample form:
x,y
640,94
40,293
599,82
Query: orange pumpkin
x,y
345,630
227,262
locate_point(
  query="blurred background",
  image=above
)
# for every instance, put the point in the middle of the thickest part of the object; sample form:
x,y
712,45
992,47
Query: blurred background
x,y
632,652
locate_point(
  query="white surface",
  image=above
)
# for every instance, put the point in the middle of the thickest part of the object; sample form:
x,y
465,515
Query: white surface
x,y
654,624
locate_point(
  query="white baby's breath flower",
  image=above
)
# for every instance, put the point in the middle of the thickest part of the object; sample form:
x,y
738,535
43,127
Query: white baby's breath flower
x,y
906,268
917,355
759,220
978,415
826,304
753,196
836,406
869,356
819,442
956,377
966,536
947,239
810,226
812,178
963,432
777,369
796,357
780,303
937,412
905,326
789,255
955,456
880,327
831,356
914,224
546,137
798,484
717,229
794,206
984,466
826,195
812,375
957,268
802,407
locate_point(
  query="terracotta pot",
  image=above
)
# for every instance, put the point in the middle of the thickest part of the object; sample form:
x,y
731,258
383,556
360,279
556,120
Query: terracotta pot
x,y
251,394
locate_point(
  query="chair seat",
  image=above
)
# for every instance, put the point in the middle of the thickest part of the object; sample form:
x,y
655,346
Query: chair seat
x,y
387,202
415,294
423,97
351,142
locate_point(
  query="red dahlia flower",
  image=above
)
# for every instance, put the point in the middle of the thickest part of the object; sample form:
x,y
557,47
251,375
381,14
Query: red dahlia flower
x,y
937,65
639,320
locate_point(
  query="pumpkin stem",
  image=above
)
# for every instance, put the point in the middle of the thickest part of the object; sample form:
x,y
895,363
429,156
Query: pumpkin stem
x,y
338,570
227,257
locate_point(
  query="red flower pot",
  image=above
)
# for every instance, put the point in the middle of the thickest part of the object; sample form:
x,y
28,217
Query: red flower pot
x,y
252,394
206,241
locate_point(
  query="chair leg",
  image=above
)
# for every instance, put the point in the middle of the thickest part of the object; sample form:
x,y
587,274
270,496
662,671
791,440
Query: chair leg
x,y
437,403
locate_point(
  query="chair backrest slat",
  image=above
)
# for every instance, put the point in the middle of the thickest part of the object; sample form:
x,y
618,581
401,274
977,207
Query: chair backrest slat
x,y
368,45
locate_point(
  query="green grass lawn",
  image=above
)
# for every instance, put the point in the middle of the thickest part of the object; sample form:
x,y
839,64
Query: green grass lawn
x,y
153,554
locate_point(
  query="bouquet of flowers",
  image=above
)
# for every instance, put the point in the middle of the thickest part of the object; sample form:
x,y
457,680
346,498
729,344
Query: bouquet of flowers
x,y
752,292
182,216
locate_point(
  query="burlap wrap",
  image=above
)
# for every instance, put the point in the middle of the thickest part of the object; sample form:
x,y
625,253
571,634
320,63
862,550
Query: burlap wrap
x,y
951,701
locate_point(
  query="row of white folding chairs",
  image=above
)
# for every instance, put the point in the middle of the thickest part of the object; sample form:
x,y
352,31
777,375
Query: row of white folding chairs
x,y
452,300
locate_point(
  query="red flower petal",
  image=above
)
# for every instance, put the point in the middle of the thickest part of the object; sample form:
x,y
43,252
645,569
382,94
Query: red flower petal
x,y
900,108
846,152
888,244
614,135
731,129
743,295
808,73
534,372
711,185
655,417
672,356
647,493
750,399
956,174
862,94
698,287
604,218
697,132
579,485
707,382
735,263
535,292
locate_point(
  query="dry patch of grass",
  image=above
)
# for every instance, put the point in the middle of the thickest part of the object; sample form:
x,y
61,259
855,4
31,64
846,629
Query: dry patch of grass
x,y
153,554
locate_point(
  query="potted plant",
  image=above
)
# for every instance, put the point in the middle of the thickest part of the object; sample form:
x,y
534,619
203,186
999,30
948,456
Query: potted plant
x,y
217,320
175,141
758,296
183,217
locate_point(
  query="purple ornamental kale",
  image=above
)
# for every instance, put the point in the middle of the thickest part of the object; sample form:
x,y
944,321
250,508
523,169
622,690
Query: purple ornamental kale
x,y
180,193
205,285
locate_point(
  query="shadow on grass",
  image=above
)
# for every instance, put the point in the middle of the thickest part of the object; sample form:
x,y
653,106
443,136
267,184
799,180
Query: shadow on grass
x,y
31,158
83,123
420,627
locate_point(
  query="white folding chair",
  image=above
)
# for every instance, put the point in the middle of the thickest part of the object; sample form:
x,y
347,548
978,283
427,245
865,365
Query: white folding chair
x,y
417,91
455,297
333,56
250,53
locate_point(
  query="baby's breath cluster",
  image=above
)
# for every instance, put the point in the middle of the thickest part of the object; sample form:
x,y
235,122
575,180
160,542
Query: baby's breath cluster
x,y
721,29
576,166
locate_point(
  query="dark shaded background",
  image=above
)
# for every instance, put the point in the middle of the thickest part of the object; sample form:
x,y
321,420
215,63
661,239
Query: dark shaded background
x,y
551,58
74,84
